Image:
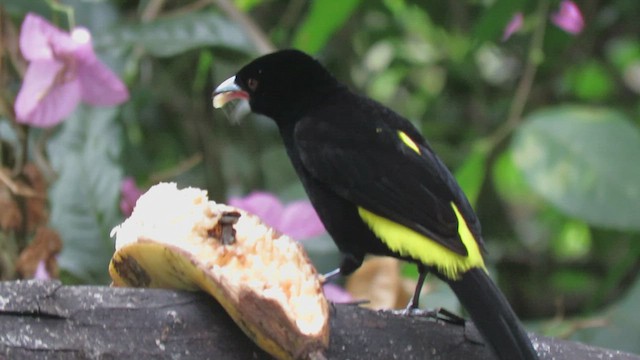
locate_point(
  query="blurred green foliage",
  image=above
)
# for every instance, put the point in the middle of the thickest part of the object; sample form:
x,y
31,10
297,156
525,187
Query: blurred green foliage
x,y
542,130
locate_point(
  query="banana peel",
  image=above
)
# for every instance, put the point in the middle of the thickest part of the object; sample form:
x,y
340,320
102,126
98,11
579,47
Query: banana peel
x,y
178,239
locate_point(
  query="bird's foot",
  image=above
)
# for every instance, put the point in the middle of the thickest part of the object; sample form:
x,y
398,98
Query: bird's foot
x,y
438,314
445,315
412,309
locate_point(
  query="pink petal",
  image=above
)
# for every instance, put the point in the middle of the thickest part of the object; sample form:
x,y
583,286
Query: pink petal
x,y
41,272
37,82
513,26
265,205
300,221
33,42
47,95
40,40
130,195
568,18
100,86
336,294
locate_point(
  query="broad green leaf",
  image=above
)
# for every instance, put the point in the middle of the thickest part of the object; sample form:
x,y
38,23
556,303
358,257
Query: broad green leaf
x,y
322,21
98,16
623,322
20,8
584,160
471,173
85,196
175,35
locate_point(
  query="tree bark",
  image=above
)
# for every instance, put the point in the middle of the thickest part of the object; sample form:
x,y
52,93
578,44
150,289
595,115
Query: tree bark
x,y
45,320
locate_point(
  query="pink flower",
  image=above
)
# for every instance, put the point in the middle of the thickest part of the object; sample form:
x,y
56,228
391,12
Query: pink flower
x,y
130,194
336,294
297,219
63,70
513,26
41,272
568,18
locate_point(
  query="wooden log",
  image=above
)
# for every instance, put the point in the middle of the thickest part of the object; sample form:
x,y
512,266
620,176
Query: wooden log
x,y
45,320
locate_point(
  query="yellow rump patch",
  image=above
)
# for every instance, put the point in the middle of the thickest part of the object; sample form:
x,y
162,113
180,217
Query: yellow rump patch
x,y
407,141
407,242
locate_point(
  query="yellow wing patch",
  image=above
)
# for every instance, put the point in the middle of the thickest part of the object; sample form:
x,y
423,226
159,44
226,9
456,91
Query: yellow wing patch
x,y
407,242
407,141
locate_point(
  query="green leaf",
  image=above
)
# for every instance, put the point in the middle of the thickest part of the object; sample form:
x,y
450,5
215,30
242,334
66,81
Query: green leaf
x,y
584,161
591,82
623,322
246,5
323,19
471,173
175,35
494,20
509,182
84,198
385,85
572,242
623,52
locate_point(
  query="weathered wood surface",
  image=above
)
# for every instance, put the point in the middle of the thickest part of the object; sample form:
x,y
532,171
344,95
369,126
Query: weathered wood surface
x,y
45,320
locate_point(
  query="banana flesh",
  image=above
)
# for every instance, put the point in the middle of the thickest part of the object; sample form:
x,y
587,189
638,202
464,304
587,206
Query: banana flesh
x,y
178,239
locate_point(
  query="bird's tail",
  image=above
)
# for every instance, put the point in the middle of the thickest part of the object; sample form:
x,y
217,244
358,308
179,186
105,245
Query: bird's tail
x,y
493,316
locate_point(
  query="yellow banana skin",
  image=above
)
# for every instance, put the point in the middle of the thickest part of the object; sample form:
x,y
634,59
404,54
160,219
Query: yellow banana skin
x,y
263,280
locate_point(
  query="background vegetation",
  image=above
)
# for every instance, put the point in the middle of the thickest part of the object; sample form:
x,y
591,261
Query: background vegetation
x,y
541,130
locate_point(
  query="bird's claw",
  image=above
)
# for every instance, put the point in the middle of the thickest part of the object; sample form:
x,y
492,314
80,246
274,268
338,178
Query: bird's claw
x,y
438,314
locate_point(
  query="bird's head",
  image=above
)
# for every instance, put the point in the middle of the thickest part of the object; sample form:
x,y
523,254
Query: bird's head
x,y
281,85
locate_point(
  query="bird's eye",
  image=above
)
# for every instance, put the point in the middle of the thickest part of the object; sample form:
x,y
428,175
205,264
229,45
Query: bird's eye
x,y
252,84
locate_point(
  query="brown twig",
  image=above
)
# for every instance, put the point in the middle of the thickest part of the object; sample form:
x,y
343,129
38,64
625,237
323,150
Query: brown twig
x,y
189,8
152,10
257,36
181,168
16,188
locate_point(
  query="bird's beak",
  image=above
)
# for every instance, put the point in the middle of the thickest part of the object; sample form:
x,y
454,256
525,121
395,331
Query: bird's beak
x,y
228,91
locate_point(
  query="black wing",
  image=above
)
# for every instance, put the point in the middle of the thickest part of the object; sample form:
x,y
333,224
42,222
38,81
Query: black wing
x,y
365,161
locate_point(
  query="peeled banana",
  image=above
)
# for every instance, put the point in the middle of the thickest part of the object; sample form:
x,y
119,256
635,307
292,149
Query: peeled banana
x,y
178,239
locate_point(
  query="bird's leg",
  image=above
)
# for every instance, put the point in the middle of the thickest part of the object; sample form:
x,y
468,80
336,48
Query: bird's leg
x,y
349,264
415,299
330,275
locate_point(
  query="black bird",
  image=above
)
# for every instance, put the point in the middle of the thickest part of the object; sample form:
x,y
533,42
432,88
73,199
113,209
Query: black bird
x,y
377,185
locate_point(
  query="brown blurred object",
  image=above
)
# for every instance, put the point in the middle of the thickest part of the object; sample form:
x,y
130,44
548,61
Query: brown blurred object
x,y
46,244
37,211
23,222
10,215
379,281
29,191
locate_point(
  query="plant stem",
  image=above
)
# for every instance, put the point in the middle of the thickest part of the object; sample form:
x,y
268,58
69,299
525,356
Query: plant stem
x,y
67,10
523,90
